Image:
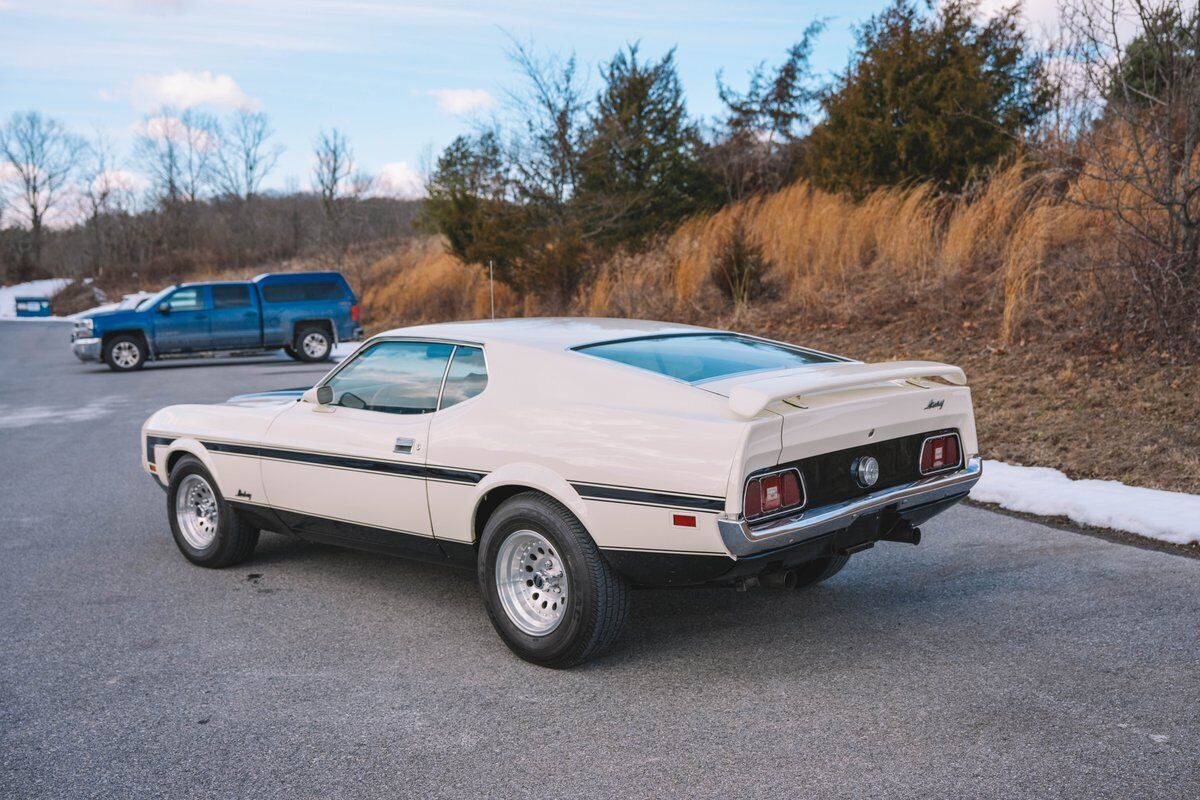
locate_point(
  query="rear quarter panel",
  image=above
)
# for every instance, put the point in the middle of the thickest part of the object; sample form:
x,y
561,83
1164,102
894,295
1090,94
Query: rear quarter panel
x,y
577,427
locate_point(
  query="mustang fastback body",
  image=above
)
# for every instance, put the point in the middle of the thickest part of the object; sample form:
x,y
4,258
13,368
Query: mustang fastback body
x,y
582,453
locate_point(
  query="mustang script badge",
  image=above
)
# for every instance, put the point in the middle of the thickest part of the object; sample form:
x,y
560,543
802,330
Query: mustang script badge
x,y
935,404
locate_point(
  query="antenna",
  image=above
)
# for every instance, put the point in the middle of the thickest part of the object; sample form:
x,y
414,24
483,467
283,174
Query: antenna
x,y
492,285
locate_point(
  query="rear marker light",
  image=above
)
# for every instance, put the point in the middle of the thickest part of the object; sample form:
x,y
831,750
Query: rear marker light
x,y
940,453
354,312
683,520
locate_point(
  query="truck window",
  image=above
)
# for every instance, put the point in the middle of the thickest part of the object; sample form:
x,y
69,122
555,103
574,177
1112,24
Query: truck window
x,y
299,291
230,296
188,299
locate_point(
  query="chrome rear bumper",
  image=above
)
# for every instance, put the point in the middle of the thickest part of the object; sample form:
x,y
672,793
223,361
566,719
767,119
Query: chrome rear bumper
x,y
742,540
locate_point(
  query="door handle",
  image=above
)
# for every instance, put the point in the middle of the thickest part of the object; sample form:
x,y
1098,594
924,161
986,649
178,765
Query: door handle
x,y
405,445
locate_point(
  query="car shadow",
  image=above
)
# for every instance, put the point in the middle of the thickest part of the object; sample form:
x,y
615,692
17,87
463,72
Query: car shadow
x,y
714,624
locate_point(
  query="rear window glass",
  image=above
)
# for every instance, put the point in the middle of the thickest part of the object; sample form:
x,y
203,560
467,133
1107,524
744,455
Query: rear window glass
x,y
703,357
300,291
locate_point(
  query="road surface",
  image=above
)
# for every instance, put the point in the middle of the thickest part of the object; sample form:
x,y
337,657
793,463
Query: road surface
x,y
999,659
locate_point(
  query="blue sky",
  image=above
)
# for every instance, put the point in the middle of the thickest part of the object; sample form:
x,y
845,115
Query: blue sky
x,y
400,79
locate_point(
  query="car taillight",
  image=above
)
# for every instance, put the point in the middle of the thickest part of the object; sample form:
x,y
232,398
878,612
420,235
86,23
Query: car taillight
x,y
354,312
939,453
769,494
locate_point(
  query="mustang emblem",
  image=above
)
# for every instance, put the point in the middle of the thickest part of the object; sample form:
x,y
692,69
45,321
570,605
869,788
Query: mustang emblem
x,y
244,493
935,404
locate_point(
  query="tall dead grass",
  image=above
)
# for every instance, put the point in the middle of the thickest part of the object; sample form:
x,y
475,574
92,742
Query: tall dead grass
x,y
1000,250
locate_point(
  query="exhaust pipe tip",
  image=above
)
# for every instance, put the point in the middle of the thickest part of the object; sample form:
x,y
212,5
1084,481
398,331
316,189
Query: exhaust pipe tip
x,y
786,579
904,533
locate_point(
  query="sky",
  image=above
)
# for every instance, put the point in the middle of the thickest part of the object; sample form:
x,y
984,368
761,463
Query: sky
x,y
400,79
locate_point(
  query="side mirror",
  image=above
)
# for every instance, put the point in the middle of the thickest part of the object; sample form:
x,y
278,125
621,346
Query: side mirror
x,y
164,308
319,395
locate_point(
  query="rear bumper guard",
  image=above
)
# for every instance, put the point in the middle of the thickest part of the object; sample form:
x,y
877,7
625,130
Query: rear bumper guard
x,y
742,540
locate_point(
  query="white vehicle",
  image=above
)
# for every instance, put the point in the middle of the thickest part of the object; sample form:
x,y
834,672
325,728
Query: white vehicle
x,y
566,460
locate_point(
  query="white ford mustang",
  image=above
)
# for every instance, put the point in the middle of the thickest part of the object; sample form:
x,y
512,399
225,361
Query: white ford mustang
x,y
567,460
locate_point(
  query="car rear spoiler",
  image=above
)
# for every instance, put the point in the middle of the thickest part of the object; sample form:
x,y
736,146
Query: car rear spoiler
x,y
750,398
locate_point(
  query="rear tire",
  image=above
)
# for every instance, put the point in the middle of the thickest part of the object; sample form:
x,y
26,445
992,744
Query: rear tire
x,y
535,555
819,570
313,344
125,353
207,529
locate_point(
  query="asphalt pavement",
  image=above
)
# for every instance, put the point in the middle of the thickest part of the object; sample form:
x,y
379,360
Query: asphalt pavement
x,y
1001,658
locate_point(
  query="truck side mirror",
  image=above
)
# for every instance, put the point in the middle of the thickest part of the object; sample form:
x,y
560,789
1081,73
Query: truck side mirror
x,y
164,308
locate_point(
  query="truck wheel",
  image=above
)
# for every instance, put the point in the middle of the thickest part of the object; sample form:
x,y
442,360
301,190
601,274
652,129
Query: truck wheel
x,y
313,344
125,353
206,528
550,594
819,570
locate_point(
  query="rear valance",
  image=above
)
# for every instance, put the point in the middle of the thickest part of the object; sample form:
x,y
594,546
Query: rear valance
x,y
750,398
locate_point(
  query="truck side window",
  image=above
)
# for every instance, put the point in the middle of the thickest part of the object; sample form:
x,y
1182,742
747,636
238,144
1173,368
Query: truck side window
x,y
230,296
187,299
393,377
467,376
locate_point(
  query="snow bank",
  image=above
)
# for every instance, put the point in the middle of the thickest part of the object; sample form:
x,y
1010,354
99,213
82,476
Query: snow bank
x,y
1169,516
9,294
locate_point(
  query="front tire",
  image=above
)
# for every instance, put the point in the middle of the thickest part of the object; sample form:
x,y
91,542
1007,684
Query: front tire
x,y
313,344
207,530
550,594
125,353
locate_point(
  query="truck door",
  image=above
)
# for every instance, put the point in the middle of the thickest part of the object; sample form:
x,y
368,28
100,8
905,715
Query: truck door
x,y
236,321
181,322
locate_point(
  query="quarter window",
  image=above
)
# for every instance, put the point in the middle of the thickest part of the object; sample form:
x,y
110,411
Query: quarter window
x,y
301,291
467,376
393,377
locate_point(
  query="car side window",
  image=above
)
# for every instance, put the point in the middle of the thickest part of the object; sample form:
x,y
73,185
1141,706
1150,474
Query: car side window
x,y
187,299
230,296
393,377
467,376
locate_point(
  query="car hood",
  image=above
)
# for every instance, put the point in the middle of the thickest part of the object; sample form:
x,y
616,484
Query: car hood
x,y
278,397
111,319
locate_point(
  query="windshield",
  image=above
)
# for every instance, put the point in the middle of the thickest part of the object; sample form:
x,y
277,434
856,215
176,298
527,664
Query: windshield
x,y
702,357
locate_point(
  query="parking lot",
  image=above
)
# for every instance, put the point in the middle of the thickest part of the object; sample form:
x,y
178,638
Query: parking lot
x,y
1000,658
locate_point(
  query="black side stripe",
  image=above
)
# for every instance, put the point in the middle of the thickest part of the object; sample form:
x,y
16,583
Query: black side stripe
x,y
151,441
350,462
647,497
616,494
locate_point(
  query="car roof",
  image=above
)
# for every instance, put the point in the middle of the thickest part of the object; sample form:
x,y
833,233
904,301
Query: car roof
x,y
550,333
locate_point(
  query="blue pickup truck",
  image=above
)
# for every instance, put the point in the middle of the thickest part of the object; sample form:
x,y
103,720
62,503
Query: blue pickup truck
x,y
302,313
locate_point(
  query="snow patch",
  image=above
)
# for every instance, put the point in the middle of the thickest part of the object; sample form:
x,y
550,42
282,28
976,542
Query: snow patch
x,y
9,294
1167,516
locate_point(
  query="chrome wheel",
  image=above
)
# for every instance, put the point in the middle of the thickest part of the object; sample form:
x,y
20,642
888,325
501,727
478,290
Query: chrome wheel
x,y
126,355
315,345
531,580
196,511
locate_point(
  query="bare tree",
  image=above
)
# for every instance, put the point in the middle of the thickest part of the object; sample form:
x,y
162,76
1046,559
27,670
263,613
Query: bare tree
x,y
1139,63
179,153
42,156
333,177
246,155
107,192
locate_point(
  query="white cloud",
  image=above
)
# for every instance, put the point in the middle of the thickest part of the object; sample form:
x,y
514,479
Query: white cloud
x,y
398,179
184,89
463,101
163,127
